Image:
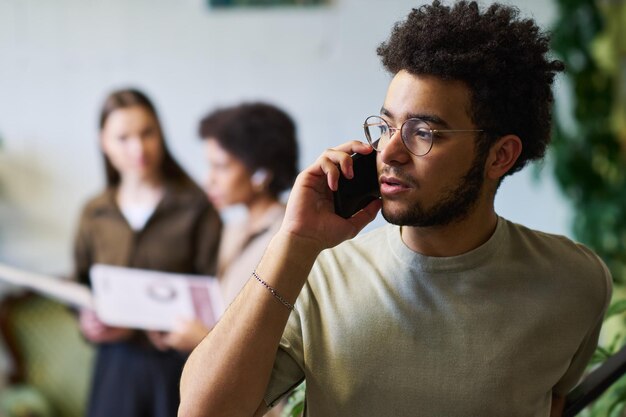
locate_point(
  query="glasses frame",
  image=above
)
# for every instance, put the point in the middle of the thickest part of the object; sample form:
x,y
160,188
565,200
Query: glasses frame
x,y
393,130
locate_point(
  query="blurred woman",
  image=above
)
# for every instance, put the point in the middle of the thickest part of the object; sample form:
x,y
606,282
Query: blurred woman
x,y
252,154
151,215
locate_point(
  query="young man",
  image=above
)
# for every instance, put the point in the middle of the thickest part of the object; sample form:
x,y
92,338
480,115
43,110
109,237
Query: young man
x,y
450,310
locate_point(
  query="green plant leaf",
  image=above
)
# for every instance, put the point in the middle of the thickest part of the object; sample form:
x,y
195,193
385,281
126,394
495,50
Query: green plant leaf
x,y
616,308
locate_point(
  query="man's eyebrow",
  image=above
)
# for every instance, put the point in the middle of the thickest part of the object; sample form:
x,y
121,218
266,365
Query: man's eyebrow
x,y
430,118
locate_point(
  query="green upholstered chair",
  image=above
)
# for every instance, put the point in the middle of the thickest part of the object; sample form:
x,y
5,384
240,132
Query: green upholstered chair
x,y
51,362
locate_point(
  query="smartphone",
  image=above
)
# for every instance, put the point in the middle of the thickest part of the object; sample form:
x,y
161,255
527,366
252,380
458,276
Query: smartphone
x,y
354,194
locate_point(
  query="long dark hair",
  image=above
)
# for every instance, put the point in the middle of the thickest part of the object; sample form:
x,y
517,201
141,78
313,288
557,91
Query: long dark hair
x,y
169,169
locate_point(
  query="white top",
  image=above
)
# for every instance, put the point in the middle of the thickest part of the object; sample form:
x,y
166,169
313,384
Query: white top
x,y
137,215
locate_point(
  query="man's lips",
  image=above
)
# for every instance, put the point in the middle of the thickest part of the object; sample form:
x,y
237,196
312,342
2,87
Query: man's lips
x,y
391,185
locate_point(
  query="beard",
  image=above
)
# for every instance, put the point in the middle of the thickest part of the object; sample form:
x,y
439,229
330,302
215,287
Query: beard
x,y
454,206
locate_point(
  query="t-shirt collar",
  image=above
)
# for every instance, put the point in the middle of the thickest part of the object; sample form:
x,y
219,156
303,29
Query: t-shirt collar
x,y
466,260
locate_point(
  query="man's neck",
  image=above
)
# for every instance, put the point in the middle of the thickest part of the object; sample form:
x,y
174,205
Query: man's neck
x,y
455,238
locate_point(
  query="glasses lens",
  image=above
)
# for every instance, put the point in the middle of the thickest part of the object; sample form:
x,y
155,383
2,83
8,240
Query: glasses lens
x,y
417,136
376,131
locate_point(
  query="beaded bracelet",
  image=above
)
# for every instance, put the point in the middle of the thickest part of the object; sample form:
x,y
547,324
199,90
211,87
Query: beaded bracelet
x,y
273,291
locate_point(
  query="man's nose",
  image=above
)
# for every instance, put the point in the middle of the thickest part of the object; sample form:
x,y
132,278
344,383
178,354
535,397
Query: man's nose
x,y
394,150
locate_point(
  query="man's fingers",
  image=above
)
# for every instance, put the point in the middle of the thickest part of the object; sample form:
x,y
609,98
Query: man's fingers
x,y
329,168
341,155
354,146
363,217
336,161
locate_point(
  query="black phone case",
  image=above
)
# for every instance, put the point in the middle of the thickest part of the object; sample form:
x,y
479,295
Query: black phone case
x,y
352,195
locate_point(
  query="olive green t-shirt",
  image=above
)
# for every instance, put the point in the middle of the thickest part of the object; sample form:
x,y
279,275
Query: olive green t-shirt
x,y
380,330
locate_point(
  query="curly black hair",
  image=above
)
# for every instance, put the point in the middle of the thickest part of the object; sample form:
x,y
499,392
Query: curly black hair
x,y
499,56
261,136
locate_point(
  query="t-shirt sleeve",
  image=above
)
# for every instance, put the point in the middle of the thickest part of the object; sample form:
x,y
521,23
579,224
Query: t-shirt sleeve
x,y
288,371
580,360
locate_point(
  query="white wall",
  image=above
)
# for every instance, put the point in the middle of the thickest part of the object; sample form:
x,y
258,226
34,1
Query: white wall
x,y
58,59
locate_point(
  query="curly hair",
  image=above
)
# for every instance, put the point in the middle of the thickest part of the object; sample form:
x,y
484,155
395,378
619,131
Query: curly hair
x,y
261,136
500,57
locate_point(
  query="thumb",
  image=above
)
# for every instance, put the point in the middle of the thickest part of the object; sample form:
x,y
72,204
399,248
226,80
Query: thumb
x,y
365,216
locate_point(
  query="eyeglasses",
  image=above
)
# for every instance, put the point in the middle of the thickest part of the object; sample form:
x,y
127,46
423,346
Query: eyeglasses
x,y
416,134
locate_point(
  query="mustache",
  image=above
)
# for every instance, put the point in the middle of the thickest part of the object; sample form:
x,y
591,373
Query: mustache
x,y
399,174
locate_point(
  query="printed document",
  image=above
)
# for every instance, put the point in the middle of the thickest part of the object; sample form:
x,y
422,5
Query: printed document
x,y
138,298
128,297
64,291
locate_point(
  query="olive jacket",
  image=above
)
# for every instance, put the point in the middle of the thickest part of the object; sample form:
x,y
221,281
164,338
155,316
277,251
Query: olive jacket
x,y
181,236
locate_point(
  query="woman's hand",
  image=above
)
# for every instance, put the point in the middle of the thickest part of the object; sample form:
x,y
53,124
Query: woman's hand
x,y
157,338
186,335
96,331
310,212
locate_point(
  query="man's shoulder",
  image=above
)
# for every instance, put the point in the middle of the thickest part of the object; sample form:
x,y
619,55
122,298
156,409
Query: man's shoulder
x,y
548,244
361,253
375,236
565,257
374,240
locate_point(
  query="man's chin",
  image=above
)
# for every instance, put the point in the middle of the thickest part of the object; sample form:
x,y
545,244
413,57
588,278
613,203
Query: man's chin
x,y
416,216
395,213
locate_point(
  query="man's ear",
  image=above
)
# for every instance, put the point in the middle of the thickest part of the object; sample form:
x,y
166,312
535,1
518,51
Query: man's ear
x,y
502,156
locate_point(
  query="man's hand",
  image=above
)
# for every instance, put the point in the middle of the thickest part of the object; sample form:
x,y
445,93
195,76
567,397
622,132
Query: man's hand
x,y
310,213
230,369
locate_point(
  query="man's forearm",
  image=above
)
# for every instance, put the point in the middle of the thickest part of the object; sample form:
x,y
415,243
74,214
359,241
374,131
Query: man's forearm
x,y
228,372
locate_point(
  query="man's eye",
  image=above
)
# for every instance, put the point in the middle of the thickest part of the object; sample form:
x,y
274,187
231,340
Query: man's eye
x,y
421,134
